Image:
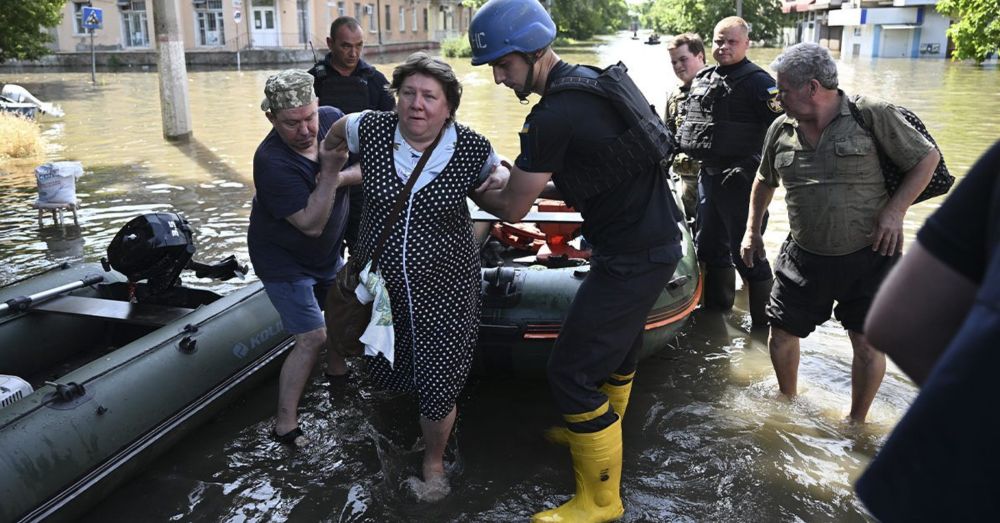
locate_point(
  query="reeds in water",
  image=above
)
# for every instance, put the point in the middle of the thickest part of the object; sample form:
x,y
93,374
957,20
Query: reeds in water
x,y
20,139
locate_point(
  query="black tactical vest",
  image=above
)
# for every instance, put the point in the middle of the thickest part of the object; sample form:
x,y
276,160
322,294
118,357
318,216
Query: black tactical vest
x,y
638,150
708,130
347,93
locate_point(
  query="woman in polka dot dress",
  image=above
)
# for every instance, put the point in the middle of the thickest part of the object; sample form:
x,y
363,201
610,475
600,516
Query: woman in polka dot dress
x,y
430,262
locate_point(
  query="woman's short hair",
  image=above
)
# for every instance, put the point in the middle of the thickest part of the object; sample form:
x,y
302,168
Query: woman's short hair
x,y
803,62
423,63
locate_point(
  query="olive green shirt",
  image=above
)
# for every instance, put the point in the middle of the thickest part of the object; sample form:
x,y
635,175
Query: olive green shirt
x,y
835,190
683,165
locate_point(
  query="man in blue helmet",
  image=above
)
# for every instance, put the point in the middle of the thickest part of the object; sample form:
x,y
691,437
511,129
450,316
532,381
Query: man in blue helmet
x,y
600,160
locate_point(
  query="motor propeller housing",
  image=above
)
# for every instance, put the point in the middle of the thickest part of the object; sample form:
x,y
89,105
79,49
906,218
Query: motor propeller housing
x,y
155,247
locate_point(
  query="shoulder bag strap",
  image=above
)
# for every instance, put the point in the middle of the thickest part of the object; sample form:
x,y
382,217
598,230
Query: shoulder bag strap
x,y
858,117
401,199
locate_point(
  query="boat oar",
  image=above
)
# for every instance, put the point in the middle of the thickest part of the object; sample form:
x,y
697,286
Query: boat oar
x,y
22,303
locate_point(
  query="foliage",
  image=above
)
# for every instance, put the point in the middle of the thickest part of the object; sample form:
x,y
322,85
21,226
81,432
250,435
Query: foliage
x,y
22,36
457,47
582,19
700,16
976,32
19,138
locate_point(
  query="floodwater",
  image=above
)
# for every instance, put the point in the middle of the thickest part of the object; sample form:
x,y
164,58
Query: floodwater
x,y
705,437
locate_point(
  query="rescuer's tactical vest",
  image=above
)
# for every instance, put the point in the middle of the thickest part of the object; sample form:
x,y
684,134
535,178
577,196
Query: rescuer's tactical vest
x,y
639,150
708,130
347,93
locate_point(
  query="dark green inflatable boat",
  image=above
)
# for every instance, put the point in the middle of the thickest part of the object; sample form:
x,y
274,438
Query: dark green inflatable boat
x,y
94,384
531,272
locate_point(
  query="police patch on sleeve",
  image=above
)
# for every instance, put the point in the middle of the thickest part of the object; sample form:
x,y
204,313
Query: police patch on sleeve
x,y
772,100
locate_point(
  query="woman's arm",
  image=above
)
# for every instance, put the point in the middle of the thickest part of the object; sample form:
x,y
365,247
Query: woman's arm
x,y
336,135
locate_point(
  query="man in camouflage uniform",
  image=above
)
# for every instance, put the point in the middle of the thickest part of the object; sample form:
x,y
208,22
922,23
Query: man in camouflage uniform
x,y
687,56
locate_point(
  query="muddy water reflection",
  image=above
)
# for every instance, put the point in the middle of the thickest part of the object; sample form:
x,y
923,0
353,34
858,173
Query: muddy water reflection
x,y
705,437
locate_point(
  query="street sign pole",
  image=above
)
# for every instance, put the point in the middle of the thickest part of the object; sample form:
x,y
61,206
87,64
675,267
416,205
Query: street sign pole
x,y
93,59
237,18
92,18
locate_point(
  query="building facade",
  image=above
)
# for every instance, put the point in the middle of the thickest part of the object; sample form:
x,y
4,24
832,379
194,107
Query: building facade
x,y
871,28
231,25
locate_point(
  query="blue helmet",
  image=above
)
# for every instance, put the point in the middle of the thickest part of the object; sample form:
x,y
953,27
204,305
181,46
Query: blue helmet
x,y
502,27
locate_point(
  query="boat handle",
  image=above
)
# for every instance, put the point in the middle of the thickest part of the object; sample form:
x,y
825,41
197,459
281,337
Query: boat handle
x,y
188,345
678,282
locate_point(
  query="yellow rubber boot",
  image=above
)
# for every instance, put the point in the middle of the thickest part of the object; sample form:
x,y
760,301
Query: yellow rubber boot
x,y
597,465
618,396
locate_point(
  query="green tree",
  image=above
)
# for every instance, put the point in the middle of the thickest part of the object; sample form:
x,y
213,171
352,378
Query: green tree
x,y
700,16
22,23
977,32
583,19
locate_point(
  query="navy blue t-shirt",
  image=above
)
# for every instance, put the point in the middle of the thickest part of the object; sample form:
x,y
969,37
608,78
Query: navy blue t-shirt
x,y
940,462
561,131
283,181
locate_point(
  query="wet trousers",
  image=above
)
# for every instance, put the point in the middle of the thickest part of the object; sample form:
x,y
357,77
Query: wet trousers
x,y
723,206
602,333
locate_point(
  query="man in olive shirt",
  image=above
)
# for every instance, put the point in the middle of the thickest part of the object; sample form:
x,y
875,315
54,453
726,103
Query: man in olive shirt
x,y
846,230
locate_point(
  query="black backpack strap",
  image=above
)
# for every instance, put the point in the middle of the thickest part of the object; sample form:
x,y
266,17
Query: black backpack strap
x,y
852,105
578,83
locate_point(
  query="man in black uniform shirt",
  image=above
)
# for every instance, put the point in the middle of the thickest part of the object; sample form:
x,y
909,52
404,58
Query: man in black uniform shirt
x,y
579,140
729,109
345,81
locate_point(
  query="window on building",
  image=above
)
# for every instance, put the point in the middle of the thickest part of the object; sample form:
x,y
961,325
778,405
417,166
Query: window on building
x,y
388,18
427,26
78,18
413,26
370,11
357,12
134,24
302,15
341,10
402,19
209,23
857,31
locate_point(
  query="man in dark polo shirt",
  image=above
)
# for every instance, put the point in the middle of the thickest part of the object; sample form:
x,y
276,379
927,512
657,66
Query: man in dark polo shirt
x,y
296,229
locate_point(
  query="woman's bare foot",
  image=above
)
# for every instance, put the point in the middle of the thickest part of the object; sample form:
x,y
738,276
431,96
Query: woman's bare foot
x,y
434,488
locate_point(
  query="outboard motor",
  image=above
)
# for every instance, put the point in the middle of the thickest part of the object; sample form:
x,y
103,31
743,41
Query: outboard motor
x,y
156,247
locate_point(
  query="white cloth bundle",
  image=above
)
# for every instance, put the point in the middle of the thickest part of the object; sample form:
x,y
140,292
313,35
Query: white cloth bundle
x,y
379,337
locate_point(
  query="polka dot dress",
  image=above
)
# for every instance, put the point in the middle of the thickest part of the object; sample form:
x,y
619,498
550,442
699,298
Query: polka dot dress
x,y
430,264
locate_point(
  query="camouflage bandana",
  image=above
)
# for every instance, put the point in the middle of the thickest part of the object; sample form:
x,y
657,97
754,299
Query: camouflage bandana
x,y
288,89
